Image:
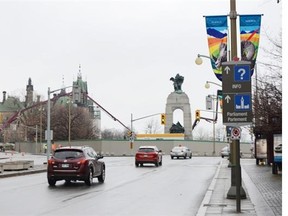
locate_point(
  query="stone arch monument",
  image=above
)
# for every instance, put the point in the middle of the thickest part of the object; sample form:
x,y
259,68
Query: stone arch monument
x,y
178,100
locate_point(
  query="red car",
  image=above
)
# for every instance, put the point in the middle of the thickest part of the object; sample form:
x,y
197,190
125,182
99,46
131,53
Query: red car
x,y
78,163
148,154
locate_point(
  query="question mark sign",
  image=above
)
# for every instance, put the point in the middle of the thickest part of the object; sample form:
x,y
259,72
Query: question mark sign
x,y
242,71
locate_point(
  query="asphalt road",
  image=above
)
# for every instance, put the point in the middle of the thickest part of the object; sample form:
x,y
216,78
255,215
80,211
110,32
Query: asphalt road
x,y
176,188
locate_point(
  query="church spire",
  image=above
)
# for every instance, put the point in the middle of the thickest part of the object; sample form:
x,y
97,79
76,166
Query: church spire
x,y
63,85
79,73
63,90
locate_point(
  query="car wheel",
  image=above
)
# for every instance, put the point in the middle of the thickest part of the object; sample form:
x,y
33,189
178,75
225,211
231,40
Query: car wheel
x,y
89,178
157,164
172,157
51,181
101,178
136,164
160,163
222,156
190,156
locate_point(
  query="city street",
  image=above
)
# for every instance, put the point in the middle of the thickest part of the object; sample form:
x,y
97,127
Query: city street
x,y
176,188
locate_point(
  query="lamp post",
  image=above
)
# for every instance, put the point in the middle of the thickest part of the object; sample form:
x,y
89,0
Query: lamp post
x,y
69,122
41,110
69,136
49,119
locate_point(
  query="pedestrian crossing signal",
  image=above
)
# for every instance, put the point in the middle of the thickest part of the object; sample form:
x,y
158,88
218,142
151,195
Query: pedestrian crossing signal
x,y
197,114
163,119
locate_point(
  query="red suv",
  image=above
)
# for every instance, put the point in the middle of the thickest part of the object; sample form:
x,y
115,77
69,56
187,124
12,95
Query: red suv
x,y
148,154
75,163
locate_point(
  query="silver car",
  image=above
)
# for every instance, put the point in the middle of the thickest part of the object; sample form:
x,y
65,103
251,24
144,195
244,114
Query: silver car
x,y
180,151
225,152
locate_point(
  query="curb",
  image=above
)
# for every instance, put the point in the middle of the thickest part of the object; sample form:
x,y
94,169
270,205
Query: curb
x,y
20,173
203,208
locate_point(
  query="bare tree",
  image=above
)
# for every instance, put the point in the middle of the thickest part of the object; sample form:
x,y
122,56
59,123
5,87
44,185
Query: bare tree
x,y
201,134
112,134
81,125
267,100
152,127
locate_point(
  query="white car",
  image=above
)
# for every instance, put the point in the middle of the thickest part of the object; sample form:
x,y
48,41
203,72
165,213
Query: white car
x,y
180,151
225,151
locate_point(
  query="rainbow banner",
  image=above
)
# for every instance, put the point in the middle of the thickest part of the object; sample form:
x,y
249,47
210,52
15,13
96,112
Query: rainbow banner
x,y
249,36
217,31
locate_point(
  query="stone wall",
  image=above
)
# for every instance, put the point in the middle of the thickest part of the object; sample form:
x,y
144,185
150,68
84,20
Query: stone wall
x,y
123,147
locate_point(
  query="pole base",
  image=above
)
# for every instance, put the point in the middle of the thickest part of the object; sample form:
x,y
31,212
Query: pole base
x,y
232,193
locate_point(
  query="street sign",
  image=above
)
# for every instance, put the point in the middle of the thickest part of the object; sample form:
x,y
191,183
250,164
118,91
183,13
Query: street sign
x,y
237,77
235,133
228,131
237,99
209,102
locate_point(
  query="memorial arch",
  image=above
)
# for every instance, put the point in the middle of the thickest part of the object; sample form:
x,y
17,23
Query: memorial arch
x,y
178,100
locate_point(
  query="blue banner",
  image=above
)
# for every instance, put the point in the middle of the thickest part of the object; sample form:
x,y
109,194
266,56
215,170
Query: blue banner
x,y
217,31
249,36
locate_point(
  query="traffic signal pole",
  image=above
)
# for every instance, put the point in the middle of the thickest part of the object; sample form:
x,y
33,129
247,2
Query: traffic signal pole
x,y
132,120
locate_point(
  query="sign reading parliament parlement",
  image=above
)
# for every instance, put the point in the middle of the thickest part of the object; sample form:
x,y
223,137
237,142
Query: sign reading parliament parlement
x,y
237,101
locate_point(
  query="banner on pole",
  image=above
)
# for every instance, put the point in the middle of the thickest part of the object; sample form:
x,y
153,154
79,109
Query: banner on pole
x,y
249,36
217,32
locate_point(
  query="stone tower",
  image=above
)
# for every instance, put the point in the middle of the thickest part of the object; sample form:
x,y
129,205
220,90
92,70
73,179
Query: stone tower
x,y
178,100
29,94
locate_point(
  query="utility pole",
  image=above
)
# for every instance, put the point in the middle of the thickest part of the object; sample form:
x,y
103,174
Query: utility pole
x,y
236,190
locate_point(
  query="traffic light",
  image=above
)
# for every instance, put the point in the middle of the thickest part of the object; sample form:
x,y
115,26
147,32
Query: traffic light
x,y
197,114
130,133
221,103
219,93
220,98
163,119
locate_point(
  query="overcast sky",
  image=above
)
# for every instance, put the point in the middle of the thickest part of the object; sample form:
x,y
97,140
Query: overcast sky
x,y
128,50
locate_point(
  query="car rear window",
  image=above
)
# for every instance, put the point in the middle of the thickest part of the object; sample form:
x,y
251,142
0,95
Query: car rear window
x,y
68,154
178,148
146,150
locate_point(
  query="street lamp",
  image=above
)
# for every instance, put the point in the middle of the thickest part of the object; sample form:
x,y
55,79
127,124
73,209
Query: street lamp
x,y
199,60
207,84
69,123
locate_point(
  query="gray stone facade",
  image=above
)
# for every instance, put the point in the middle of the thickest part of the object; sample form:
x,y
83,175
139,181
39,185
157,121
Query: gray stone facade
x,y
180,101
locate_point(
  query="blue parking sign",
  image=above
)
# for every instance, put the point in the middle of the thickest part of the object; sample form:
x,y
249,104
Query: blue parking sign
x,y
242,73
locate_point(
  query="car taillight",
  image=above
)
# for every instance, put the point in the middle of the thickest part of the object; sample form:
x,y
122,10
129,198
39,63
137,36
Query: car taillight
x,y
51,162
81,162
